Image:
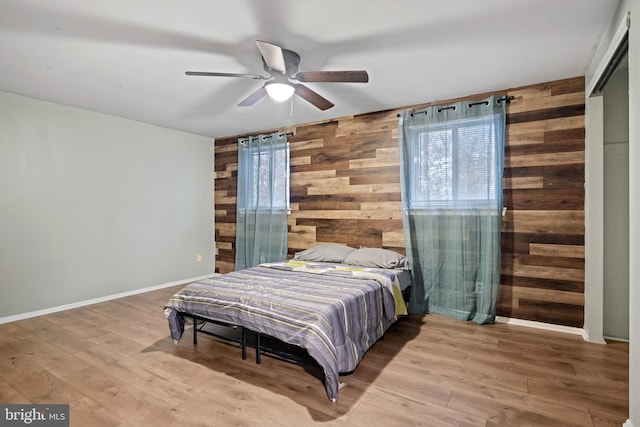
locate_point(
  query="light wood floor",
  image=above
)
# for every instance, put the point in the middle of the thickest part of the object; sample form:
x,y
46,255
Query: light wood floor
x,y
116,365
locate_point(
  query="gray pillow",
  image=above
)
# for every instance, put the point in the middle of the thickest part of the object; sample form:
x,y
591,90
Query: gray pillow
x,y
325,253
375,257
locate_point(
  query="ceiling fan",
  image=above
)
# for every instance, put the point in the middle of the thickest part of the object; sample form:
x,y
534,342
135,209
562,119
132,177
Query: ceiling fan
x,y
284,79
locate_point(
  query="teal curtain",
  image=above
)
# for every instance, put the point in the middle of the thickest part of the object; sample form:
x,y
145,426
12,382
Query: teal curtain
x,y
452,160
262,200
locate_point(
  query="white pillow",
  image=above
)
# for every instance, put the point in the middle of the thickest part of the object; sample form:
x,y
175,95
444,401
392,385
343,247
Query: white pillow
x,y
330,252
375,257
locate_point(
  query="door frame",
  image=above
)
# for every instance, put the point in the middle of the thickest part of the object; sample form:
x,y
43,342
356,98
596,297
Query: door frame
x,y
594,191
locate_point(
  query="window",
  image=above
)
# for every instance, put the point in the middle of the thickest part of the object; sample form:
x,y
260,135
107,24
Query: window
x,y
270,179
455,165
264,178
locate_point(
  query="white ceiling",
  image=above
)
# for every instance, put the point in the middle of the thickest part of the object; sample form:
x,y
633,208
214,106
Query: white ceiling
x,y
128,57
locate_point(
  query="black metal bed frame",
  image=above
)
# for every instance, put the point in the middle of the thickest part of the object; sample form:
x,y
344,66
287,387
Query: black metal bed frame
x,y
199,322
299,357
264,344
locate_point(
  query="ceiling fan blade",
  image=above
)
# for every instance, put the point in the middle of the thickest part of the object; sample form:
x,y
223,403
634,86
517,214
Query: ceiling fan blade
x,y
313,97
253,98
355,76
210,74
272,55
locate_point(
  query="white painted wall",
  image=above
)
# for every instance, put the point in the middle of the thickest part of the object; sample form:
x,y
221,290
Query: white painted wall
x,y
632,6
93,205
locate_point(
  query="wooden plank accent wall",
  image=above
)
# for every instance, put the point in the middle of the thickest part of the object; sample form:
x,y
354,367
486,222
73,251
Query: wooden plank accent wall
x,y
345,188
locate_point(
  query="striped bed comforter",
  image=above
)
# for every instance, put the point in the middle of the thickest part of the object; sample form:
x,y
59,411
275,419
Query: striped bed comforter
x,y
335,312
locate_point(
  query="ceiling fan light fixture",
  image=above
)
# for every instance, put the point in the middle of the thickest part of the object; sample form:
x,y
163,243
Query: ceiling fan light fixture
x,y
279,91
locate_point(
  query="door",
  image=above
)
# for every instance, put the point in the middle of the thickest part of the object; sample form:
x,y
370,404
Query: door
x,y
616,205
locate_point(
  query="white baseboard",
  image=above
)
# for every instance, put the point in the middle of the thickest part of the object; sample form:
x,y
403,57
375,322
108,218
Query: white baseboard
x,y
16,317
546,326
628,423
606,337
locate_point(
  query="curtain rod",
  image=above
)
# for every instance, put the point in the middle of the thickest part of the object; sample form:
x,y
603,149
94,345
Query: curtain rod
x,y
246,138
506,99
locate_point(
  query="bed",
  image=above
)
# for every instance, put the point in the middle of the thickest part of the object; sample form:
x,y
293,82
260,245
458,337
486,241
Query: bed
x,y
333,301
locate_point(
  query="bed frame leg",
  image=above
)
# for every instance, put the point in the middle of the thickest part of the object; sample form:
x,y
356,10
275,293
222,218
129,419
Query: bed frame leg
x,y
243,343
258,361
195,332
